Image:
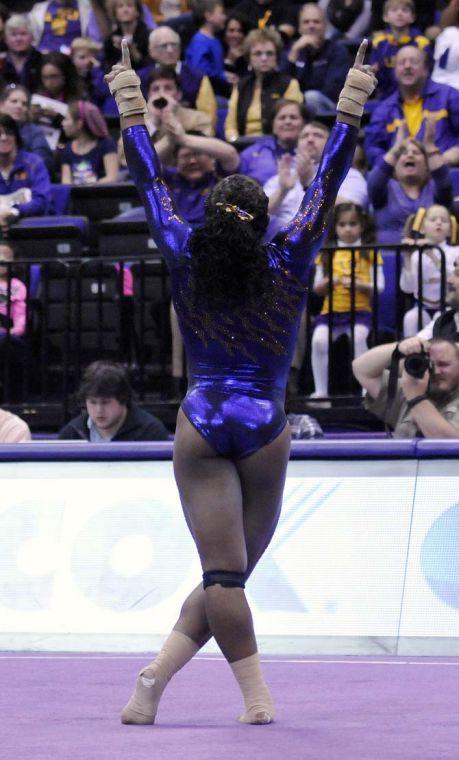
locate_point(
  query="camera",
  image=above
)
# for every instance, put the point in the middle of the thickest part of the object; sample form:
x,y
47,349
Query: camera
x,y
417,364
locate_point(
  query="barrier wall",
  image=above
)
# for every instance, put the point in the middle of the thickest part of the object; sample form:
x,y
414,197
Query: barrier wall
x,y
95,555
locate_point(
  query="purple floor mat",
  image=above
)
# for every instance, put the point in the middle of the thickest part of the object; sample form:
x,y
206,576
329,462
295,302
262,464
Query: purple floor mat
x,y
66,707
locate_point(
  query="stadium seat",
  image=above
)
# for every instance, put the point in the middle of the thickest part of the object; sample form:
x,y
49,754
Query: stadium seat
x,y
81,312
99,202
151,311
44,237
125,238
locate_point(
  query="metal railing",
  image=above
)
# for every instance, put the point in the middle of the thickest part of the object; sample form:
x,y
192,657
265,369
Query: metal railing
x,y
79,310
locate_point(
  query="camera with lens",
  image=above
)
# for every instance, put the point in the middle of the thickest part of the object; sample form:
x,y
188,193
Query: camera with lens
x,y
417,365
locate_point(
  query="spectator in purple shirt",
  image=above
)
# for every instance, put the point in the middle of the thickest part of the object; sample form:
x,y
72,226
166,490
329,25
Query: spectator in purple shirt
x,y
56,23
411,174
20,171
416,98
259,160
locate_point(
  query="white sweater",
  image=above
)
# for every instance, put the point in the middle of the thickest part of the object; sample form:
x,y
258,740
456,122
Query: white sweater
x,y
431,274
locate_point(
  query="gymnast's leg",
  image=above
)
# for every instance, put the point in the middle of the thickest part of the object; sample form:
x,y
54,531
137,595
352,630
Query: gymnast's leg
x,y
262,478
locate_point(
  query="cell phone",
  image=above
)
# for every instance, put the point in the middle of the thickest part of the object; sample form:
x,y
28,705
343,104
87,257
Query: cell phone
x,y
160,103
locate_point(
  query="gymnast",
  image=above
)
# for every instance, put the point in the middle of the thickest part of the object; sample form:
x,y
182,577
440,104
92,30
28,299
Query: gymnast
x,y
238,303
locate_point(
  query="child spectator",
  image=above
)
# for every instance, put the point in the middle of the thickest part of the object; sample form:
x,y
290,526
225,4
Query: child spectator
x,y
91,156
90,72
205,51
127,16
13,295
351,227
399,15
433,225
13,311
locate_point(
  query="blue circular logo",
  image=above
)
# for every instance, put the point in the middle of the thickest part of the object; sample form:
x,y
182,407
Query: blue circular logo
x,y
440,557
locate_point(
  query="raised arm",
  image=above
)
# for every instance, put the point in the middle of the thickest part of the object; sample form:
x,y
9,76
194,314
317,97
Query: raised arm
x,y
168,230
302,238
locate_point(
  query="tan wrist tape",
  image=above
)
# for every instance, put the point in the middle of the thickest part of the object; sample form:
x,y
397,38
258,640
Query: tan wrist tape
x,y
126,90
355,93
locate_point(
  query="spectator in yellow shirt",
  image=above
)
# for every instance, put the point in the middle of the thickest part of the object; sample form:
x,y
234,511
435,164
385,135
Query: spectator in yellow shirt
x,y
348,278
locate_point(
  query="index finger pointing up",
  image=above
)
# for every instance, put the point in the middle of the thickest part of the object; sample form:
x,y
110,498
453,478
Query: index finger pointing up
x,y
360,57
125,57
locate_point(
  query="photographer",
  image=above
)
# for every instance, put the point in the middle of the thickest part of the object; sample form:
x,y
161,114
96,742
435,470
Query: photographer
x,y
426,405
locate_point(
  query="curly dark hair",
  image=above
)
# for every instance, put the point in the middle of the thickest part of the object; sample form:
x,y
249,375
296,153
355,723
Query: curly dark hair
x,y
229,264
366,221
106,379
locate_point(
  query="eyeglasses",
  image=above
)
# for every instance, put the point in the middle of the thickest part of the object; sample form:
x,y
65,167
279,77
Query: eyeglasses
x,y
261,53
166,45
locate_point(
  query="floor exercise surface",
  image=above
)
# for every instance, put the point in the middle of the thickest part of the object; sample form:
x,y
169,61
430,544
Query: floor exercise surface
x,y
66,707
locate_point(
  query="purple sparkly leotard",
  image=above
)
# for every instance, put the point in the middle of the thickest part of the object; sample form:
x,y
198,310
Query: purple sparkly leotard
x,y
238,363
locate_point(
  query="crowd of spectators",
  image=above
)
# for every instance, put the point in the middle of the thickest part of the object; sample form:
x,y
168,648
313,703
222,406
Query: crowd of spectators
x,y
245,86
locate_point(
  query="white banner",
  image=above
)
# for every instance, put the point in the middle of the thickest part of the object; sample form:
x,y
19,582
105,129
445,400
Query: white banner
x,y
362,549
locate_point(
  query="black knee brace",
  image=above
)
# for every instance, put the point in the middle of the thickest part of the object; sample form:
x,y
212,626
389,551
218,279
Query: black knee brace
x,y
225,578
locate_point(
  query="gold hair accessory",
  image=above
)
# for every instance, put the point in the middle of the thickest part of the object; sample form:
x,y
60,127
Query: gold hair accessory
x,y
418,219
228,208
454,230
